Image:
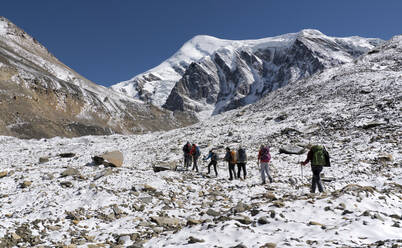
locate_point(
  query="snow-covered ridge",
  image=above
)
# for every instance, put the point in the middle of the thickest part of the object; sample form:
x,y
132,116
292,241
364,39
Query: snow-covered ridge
x,y
156,84
54,94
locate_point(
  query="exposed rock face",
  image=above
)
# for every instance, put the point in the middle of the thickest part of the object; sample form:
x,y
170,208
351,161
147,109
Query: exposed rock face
x,y
229,79
42,97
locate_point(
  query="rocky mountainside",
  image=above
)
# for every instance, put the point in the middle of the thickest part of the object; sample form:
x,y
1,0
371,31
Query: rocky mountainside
x,y
209,75
52,195
42,97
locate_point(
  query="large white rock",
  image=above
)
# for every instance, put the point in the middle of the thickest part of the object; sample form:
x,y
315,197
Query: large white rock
x,y
114,157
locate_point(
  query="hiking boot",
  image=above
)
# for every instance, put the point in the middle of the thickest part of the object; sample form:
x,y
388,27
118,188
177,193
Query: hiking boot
x,y
263,182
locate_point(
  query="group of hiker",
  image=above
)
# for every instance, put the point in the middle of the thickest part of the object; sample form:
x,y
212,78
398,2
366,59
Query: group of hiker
x,y
317,155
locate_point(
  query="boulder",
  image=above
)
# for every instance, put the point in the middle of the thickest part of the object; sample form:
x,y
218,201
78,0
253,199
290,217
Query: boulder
x,y
290,149
70,172
3,174
166,221
114,158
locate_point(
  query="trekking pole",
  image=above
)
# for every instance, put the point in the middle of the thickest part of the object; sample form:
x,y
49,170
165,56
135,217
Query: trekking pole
x,y
301,169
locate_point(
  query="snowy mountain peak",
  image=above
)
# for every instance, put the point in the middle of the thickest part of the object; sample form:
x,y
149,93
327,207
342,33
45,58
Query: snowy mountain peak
x,y
310,32
238,72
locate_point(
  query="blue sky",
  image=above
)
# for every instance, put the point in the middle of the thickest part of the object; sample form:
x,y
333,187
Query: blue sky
x,y
112,41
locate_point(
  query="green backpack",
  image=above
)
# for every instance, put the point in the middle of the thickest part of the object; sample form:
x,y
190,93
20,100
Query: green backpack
x,y
320,156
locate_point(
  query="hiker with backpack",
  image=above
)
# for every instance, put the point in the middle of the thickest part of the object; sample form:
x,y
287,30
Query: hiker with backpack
x,y
241,162
214,161
319,158
187,155
230,157
263,159
195,153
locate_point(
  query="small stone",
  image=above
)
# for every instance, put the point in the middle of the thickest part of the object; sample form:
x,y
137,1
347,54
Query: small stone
x,y
239,246
272,213
278,204
241,207
290,149
254,212
270,196
67,155
25,184
193,240
341,206
378,217
146,200
244,220
346,212
314,223
166,221
15,237
395,216
54,228
66,184
148,188
192,222
263,220
43,160
268,245
212,212
70,172
3,174
124,239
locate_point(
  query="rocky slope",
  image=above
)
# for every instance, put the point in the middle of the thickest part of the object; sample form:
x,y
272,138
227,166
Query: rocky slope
x,y
52,198
42,97
209,75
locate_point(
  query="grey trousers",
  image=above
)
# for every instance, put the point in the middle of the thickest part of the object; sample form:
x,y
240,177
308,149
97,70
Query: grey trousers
x,y
265,171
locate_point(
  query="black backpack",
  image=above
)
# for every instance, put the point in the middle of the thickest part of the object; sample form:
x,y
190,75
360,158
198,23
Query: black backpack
x,y
241,155
214,157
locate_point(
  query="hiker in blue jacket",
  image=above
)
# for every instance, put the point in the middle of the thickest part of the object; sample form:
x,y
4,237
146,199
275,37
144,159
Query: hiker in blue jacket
x,y
214,161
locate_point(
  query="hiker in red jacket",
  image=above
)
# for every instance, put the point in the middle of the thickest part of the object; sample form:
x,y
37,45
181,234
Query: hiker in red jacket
x,y
187,155
263,159
195,153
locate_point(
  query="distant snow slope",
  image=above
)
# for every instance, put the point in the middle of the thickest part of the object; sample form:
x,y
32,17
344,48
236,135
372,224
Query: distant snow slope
x,y
235,73
354,110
